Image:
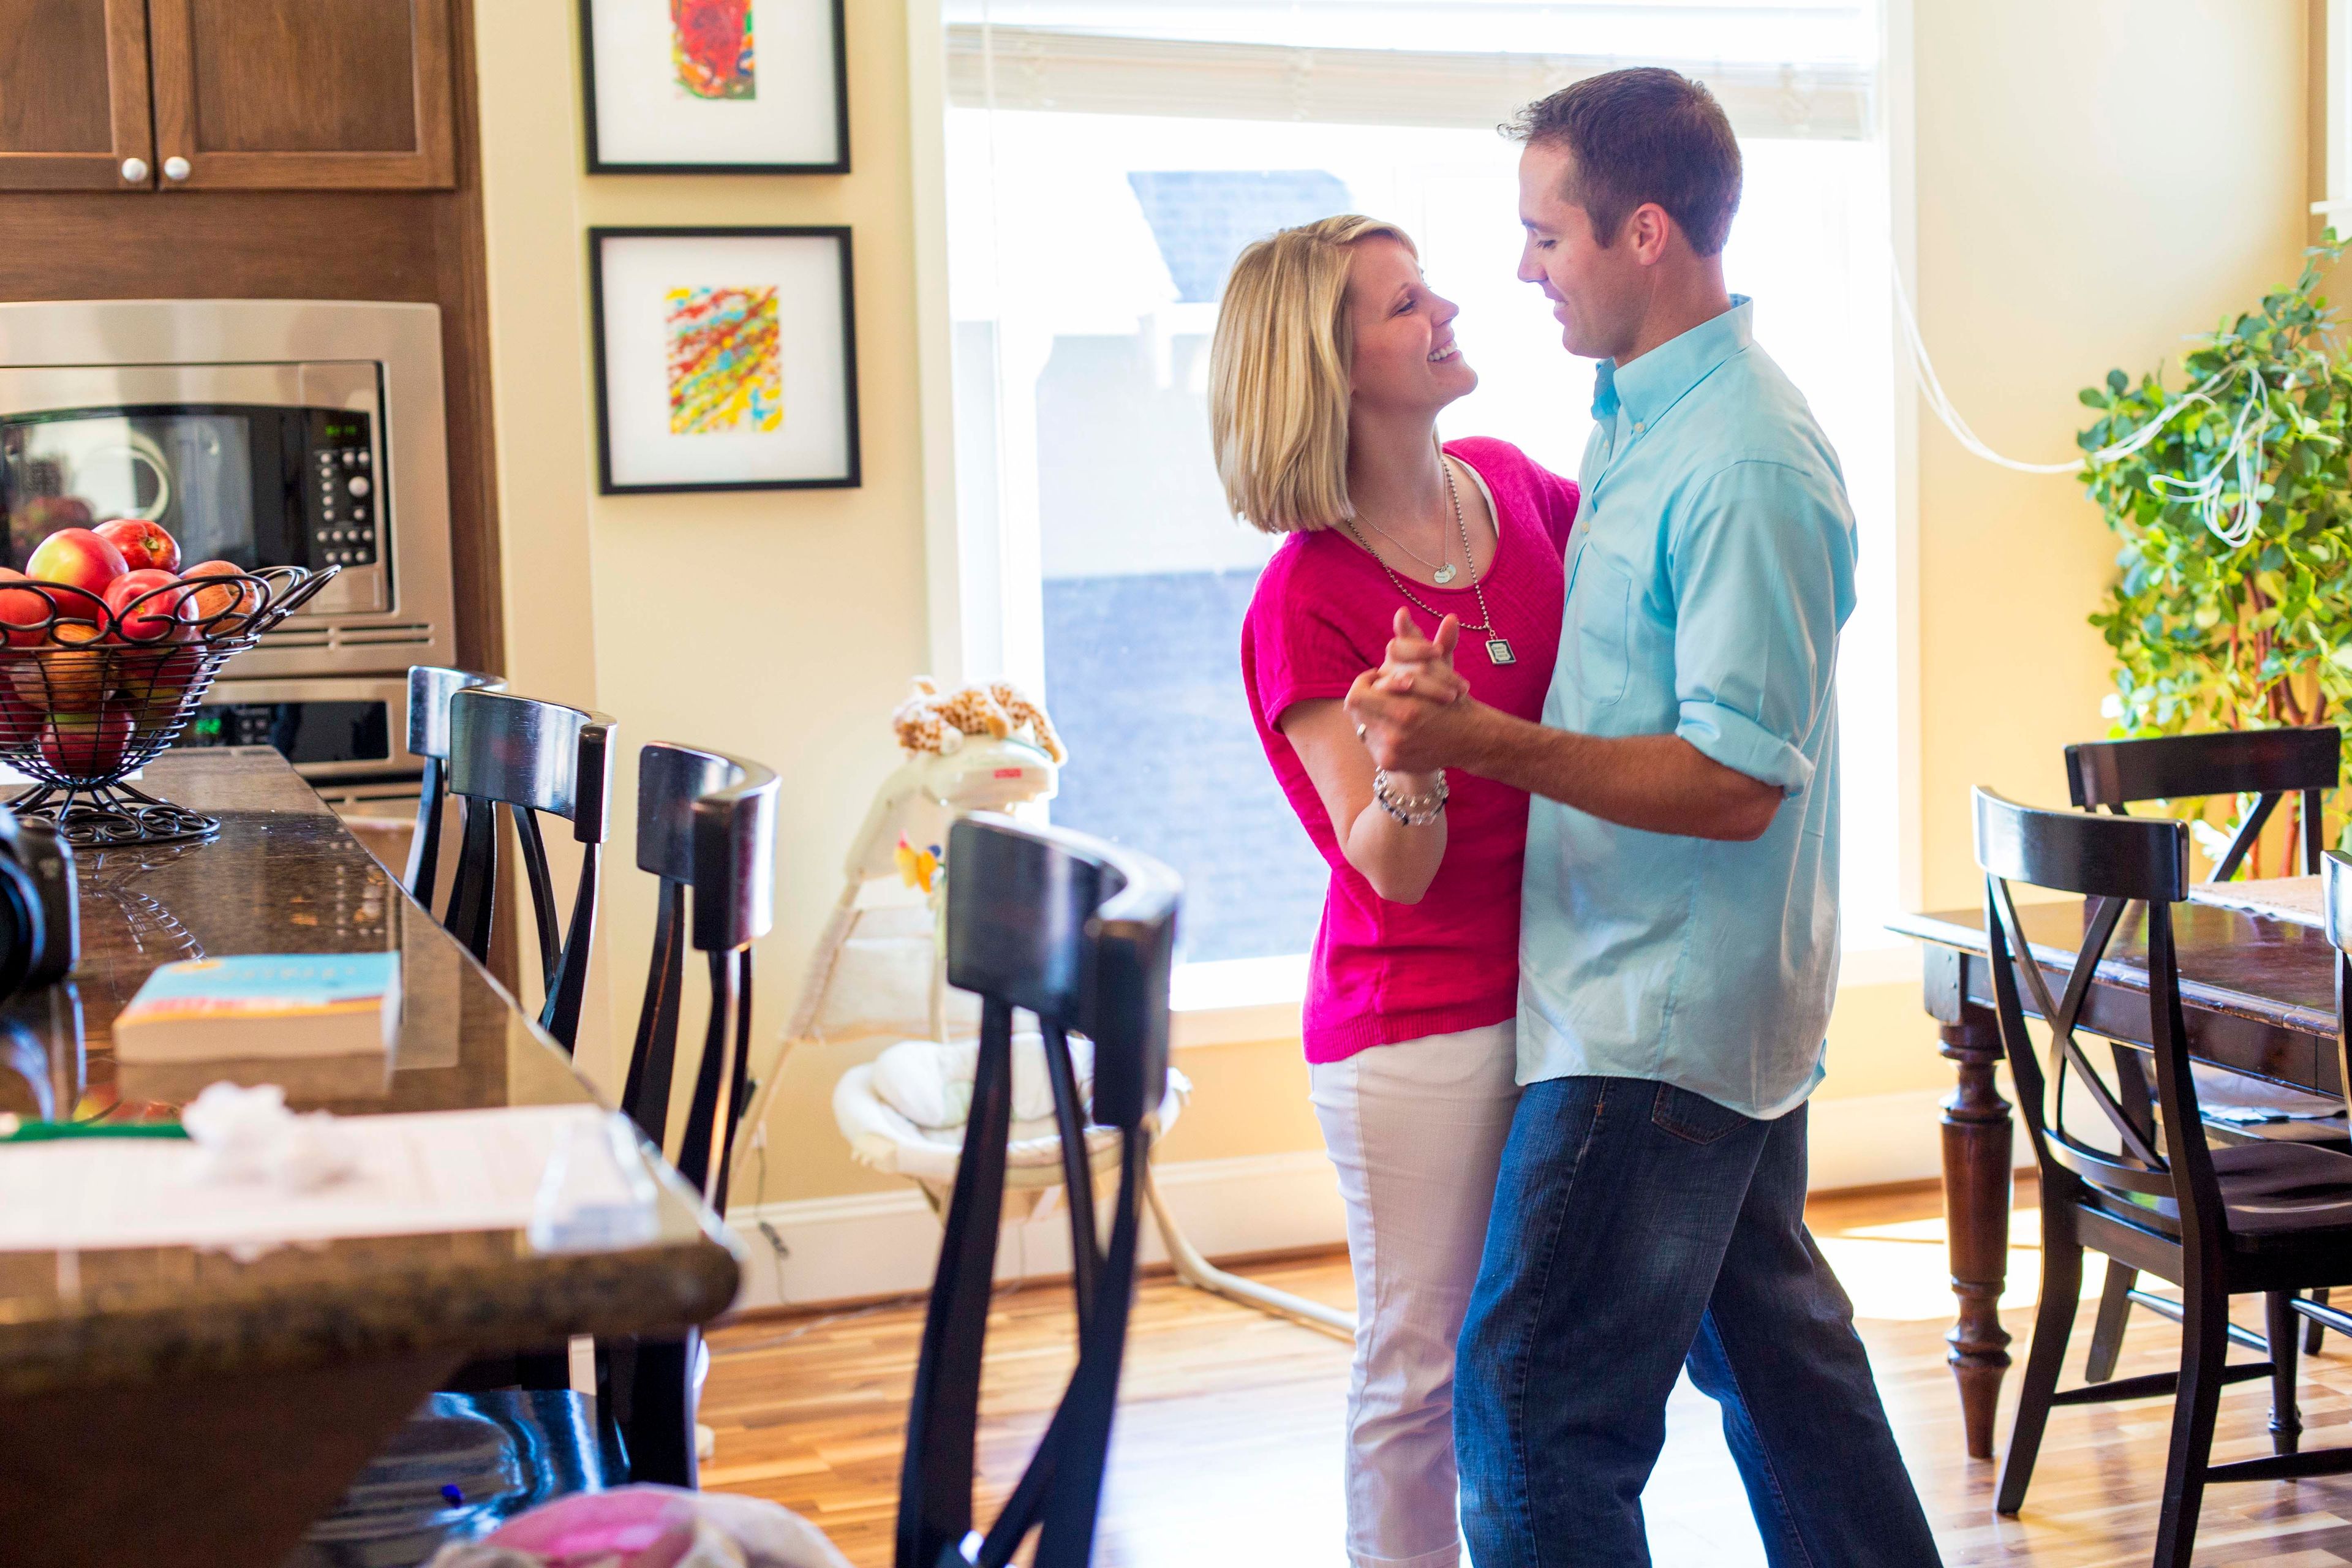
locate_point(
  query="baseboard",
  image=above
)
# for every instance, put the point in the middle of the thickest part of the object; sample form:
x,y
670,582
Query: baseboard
x,y
1878,1139
887,1244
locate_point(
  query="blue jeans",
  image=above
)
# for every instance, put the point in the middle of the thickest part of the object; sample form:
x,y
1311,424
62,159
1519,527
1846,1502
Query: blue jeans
x,y
1637,1228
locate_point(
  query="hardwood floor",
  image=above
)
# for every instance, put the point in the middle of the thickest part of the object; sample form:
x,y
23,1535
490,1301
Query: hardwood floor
x,y
1228,1445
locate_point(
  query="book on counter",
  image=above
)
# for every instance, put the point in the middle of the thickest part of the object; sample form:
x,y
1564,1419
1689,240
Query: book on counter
x,y
263,1004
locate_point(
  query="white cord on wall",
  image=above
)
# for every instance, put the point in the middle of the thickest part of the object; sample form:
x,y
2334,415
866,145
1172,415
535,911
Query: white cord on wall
x,y
2241,461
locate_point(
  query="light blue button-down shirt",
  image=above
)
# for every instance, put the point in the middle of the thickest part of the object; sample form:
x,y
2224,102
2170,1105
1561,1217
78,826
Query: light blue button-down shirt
x,y
1713,569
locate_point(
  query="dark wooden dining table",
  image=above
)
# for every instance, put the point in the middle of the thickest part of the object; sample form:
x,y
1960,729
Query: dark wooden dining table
x,y
2259,996
179,1405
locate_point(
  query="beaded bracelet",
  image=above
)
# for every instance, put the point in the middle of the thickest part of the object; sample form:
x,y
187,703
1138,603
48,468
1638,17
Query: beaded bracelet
x,y
1412,810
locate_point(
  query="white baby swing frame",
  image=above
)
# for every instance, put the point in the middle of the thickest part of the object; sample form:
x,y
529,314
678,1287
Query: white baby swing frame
x,y
914,807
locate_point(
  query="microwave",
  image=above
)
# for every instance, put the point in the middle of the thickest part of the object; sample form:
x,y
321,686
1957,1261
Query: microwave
x,y
264,433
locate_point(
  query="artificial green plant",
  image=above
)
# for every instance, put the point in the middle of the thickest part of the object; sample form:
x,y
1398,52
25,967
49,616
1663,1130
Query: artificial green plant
x,y
2210,633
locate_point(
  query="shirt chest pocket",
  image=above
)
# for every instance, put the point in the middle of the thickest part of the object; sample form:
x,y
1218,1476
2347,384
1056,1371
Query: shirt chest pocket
x,y
1598,605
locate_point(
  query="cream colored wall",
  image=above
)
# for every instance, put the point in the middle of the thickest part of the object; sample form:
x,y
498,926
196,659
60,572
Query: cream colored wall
x,y
779,625
2093,181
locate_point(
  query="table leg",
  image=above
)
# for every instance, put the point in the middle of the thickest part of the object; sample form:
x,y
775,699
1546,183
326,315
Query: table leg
x,y
1977,1147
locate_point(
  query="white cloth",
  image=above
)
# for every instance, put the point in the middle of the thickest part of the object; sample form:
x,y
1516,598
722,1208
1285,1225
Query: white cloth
x,y
888,1139
248,1135
1416,1131
929,1082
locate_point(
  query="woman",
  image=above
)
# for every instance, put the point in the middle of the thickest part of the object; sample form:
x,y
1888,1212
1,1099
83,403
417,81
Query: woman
x,y
1331,359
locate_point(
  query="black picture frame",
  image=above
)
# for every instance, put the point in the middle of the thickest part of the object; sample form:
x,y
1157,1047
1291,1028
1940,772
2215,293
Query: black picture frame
x,y
853,478
599,164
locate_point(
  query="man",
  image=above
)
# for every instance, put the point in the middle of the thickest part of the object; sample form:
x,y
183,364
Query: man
x,y
1680,938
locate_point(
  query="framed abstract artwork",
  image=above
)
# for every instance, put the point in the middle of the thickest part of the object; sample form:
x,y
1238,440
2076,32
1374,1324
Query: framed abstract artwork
x,y
715,86
726,359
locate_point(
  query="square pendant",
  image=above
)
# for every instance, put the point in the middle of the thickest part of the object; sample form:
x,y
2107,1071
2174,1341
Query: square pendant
x,y
1498,651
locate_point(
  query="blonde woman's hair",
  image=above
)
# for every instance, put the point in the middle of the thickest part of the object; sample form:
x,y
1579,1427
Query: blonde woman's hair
x,y
1279,375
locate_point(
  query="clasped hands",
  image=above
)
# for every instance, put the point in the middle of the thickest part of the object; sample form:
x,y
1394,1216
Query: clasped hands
x,y
1413,711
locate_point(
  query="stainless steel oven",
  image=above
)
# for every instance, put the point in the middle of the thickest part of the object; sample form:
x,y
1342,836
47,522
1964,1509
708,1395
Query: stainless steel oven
x,y
346,730
347,734
262,432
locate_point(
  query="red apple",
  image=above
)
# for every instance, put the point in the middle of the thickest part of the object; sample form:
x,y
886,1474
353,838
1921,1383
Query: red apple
x,y
64,680
146,545
220,608
154,682
77,558
87,745
31,608
145,606
20,722
25,611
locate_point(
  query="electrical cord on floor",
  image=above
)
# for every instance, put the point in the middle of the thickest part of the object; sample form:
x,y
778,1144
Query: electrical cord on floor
x,y
777,1246
759,1203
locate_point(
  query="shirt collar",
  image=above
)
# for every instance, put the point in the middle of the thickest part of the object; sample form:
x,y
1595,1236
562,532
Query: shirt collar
x,y
1657,380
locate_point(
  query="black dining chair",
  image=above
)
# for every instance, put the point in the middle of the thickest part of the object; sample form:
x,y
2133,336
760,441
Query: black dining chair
x,y
1082,935
2270,765
2268,1217
707,831
430,687
530,757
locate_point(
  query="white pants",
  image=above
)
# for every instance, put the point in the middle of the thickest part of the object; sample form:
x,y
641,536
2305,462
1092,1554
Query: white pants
x,y
1416,1129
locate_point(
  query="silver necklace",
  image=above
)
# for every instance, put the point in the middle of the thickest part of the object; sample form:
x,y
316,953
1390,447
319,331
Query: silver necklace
x,y
1499,646
1441,570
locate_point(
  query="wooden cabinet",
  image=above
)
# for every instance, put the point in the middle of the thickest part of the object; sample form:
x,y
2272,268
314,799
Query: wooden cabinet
x,y
73,96
301,94
247,95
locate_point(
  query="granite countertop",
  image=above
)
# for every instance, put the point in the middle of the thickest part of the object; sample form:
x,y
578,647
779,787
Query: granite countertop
x,y
283,876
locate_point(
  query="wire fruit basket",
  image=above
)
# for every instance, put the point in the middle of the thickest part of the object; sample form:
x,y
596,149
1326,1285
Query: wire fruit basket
x,y
90,693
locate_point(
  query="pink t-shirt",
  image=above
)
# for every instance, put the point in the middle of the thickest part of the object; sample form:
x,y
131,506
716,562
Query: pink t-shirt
x,y
1383,972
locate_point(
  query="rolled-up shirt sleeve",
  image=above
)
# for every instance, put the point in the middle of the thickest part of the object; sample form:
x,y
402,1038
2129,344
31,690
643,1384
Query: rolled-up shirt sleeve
x,y
1761,564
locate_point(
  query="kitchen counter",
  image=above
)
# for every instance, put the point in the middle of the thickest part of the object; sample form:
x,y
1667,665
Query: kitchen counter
x,y
176,1370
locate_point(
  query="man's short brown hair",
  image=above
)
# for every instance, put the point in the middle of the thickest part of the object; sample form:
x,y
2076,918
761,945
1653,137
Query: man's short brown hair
x,y
1646,134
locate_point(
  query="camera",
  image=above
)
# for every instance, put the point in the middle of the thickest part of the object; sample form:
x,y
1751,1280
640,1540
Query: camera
x,y
40,918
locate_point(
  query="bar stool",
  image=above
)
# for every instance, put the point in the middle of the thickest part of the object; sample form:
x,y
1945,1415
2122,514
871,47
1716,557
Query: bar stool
x,y
530,757
430,687
1082,935
707,831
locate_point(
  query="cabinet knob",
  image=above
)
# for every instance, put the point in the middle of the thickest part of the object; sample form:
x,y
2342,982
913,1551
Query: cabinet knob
x,y
135,171
175,168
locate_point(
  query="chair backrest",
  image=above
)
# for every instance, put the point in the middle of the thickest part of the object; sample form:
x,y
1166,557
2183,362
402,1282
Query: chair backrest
x,y
430,687
1082,935
2117,864
530,757
706,829
2265,764
2335,885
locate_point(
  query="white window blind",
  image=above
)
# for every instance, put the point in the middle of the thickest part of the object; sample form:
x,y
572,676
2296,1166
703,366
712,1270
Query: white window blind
x,y
1036,69
1790,69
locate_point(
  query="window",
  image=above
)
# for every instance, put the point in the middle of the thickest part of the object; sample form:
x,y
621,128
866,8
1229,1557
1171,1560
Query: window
x,y
1106,161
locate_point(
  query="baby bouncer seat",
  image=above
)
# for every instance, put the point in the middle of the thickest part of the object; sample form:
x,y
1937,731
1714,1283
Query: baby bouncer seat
x,y
878,975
